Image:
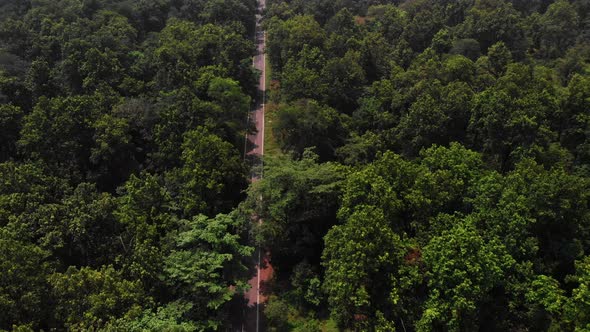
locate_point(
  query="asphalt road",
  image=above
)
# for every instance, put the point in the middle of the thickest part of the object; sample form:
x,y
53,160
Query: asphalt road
x,y
250,308
256,140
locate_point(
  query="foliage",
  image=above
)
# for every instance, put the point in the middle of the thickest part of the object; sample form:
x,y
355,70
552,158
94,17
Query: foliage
x,y
119,121
204,262
434,176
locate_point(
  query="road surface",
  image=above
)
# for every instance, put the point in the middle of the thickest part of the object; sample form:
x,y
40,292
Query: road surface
x,y
251,308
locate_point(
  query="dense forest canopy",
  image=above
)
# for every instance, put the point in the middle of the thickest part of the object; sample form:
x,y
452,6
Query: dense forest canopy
x,y
439,169
431,169
121,125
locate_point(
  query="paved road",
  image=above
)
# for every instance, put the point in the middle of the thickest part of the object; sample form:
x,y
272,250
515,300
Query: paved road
x,y
256,140
251,308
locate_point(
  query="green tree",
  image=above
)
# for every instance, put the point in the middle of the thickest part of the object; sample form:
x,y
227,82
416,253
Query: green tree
x,y
80,230
512,118
576,309
575,123
441,42
389,20
227,12
87,299
344,78
426,21
567,312
492,21
558,29
168,318
300,202
205,267
147,212
301,76
58,131
372,186
463,269
211,175
287,38
39,79
234,105
113,156
23,290
438,117
546,293
10,123
360,258
26,187
308,124
468,47
184,47
500,57
453,172
458,68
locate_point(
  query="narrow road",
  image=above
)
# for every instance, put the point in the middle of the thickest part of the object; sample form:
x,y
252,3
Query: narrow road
x,y
255,144
252,317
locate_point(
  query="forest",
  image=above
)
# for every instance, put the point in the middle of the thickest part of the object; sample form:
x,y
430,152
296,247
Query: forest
x,y
427,165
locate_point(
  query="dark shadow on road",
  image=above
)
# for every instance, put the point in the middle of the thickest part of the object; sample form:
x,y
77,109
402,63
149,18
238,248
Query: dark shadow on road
x,y
254,164
239,324
245,316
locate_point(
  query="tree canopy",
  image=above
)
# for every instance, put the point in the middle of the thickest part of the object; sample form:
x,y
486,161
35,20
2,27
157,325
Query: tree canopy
x,y
428,165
